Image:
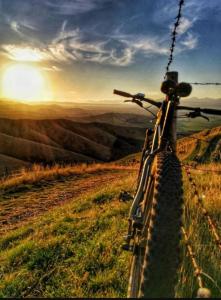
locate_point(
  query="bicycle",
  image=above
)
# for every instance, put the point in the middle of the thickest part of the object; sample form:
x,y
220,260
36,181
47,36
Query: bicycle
x,y
155,216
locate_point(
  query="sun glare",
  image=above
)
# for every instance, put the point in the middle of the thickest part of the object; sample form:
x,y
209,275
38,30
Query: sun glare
x,y
24,53
23,82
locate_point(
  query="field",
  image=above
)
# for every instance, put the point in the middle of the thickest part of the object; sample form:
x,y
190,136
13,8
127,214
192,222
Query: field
x,y
62,228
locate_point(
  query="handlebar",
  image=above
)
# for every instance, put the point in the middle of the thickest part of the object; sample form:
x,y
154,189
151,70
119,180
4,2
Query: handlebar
x,y
123,94
138,97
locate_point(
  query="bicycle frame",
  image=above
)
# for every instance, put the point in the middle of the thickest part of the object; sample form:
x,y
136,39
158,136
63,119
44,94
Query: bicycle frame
x,y
164,138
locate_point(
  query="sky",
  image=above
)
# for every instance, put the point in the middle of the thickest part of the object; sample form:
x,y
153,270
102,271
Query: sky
x,y
86,48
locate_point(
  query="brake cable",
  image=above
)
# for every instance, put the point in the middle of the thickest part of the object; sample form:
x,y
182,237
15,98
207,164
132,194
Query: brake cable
x,y
192,115
139,103
195,114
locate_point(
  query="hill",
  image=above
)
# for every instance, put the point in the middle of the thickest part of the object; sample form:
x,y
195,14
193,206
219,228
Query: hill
x,y
68,110
120,119
49,141
18,110
202,147
64,141
62,230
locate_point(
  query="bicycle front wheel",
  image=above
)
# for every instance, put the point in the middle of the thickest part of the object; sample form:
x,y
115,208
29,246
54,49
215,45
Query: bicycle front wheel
x,y
156,255
161,259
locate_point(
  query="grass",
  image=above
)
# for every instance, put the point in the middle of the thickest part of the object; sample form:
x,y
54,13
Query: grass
x,y
207,254
27,178
75,250
203,147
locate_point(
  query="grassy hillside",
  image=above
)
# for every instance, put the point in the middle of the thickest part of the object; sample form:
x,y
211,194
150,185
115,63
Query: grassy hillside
x,y
72,110
69,250
121,119
62,235
62,229
202,147
65,141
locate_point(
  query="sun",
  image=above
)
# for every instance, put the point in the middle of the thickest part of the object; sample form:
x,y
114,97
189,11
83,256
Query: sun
x,y
26,83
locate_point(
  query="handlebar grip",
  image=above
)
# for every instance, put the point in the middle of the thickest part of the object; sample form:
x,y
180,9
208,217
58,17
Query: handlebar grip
x,y
123,94
211,111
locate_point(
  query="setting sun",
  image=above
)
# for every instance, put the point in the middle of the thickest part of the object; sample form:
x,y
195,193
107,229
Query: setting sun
x,y
24,82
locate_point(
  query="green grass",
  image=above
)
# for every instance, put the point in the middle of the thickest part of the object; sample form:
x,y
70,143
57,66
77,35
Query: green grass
x,y
73,251
207,254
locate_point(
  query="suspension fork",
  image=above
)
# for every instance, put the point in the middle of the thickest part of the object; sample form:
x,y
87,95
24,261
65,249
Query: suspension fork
x,y
145,152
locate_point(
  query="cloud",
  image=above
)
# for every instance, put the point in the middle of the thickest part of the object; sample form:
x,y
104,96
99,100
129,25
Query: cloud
x,y
76,45
52,69
25,53
116,48
150,46
71,7
185,25
190,42
18,26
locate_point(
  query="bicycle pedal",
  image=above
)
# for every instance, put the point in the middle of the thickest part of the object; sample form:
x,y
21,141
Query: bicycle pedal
x,y
127,247
138,224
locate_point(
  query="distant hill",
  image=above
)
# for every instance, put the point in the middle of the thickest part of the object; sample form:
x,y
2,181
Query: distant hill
x,y
18,110
202,147
64,141
121,119
64,110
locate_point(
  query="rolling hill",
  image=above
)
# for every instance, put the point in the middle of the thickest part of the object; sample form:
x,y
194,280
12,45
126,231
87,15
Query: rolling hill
x,y
202,147
68,110
120,119
49,141
62,228
64,141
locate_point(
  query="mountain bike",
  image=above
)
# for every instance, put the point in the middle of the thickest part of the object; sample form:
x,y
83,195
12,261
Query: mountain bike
x,y
155,216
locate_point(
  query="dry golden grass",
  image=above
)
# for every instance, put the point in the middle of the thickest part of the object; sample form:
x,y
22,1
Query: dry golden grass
x,y
203,147
207,254
38,173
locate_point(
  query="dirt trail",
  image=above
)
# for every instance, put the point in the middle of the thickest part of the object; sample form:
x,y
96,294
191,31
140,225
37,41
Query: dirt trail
x,y
19,208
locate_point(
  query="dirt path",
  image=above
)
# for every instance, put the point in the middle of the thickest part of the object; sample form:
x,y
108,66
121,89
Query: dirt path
x,y
19,208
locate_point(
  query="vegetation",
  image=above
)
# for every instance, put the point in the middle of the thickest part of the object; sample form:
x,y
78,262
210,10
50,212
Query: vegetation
x,y
201,147
27,178
23,142
73,248
207,253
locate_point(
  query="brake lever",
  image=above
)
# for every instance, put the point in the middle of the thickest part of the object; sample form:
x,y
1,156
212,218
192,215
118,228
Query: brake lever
x,y
138,102
195,114
206,118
